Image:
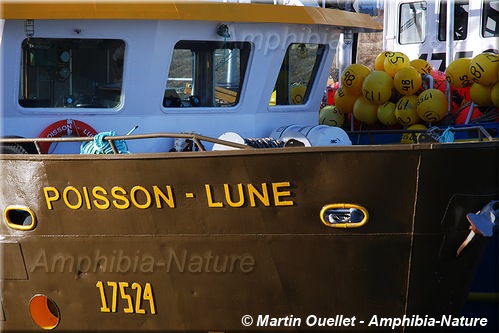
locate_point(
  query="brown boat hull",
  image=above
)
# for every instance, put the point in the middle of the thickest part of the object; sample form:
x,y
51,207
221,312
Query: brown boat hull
x,y
219,235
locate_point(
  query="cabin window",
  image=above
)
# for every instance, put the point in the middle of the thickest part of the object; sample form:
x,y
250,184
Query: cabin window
x,y
71,73
412,22
490,18
461,10
206,74
297,74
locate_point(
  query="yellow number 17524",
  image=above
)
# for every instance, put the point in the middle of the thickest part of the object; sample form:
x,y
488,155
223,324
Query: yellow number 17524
x,y
145,294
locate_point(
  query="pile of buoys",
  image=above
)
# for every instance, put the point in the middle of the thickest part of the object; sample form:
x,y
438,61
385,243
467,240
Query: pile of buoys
x,y
394,93
475,79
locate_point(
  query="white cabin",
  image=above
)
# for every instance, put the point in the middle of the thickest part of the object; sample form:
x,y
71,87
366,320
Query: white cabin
x,y
418,29
206,68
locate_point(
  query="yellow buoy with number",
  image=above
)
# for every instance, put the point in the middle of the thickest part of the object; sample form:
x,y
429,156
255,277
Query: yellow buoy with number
x,y
386,114
353,76
409,138
380,60
431,105
407,81
481,95
377,87
484,68
422,66
297,94
458,74
344,100
405,110
365,111
329,115
394,62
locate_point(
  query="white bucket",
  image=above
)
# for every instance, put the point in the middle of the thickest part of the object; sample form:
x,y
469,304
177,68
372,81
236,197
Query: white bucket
x,y
279,132
231,137
323,135
318,135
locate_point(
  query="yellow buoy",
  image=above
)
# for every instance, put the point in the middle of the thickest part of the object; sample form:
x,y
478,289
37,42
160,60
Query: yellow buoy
x,y
405,110
458,74
494,94
344,100
407,81
481,95
409,138
377,87
380,60
353,76
386,114
365,111
422,66
329,115
273,98
297,94
431,105
484,68
394,62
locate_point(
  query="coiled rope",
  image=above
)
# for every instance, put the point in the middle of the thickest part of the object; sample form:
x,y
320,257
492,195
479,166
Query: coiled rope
x,y
447,135
101,146
264,143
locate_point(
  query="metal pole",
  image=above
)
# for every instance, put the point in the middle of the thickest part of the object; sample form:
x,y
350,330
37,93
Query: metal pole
x,y
449,51
386,13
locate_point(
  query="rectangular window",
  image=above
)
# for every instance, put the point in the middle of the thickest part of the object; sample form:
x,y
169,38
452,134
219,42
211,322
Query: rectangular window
x,y
206,73
461,10
74,73
412,22
490,18
297,74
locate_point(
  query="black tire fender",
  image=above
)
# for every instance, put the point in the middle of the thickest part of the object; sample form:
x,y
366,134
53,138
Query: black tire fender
x,y
17,148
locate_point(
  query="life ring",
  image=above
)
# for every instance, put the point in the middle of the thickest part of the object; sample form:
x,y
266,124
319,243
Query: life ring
x,y
65,127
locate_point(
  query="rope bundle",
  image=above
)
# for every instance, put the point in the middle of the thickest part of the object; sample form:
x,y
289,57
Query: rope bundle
x,y
101,146
264,143
447,135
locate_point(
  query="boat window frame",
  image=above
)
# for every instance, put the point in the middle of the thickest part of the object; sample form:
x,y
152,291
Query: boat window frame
x,y
69,109
484,15
246,53
442,20
284,102
423,20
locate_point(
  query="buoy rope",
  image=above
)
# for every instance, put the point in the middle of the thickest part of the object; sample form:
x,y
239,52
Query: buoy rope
x,y
101,146
447,135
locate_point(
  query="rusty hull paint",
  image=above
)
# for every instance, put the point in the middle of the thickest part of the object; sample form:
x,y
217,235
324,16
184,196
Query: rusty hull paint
x,y
396,264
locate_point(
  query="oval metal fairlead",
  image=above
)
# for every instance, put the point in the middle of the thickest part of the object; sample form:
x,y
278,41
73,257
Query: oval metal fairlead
x,y
19,217
344,215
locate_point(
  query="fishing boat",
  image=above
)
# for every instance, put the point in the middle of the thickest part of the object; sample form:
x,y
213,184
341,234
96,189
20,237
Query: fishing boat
x,y
163,168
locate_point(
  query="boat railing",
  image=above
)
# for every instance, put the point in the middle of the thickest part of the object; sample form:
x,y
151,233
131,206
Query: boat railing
x,y
112,139
431,135
419,136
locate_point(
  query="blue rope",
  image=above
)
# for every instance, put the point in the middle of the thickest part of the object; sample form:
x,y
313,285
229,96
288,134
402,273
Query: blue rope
x,y
447,136
101,146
